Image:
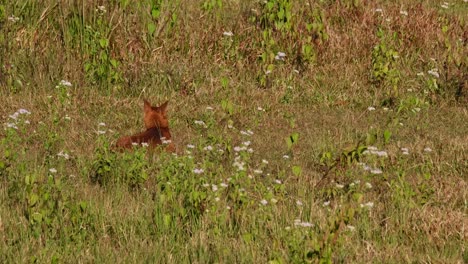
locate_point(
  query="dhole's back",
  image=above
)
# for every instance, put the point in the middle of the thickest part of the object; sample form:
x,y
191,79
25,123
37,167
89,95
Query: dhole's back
x,y
157,129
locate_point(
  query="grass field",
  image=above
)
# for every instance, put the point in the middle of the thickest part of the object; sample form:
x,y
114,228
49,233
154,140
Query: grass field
x,y
306,131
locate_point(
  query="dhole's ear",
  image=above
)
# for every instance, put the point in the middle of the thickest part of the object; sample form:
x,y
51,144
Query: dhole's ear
x,y
147,106
162,108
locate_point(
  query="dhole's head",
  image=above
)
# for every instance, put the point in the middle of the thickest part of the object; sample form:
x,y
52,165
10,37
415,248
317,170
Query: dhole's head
x,y
155,116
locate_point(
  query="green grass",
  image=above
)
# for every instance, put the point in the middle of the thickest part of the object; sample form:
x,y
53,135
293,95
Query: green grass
x,y
350,149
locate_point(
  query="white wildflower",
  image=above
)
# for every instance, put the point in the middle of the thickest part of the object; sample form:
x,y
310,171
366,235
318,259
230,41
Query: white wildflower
x,y
102,124
404,13
12,125
264,202
208,148
246,143
13,18
224,185
200,122
65,83
327,203
23,111
239,149
280,55
239,164
244,133
53,170
278,181
228,34
351,228
63,155
371,108
285,156
373,150
198,171
264,161
299,203
376,171
366,167
339,186
303,224
101,132
368,185
368,205
190,146
427,149
214,187
165,141
144,144
378,10
258,171
434,72
382,153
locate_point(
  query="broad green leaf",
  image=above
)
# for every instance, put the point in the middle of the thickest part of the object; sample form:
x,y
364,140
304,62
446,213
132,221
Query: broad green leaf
x,y
297,170
33,198
387,135
104,43
151,28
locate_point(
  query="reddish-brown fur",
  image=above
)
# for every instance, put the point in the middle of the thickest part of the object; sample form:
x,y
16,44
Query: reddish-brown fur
x,y
157,129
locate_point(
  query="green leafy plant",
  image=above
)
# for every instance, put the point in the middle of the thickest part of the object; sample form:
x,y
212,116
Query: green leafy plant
x,y
384,60
277,14
292,140
104,165
128,168
210,5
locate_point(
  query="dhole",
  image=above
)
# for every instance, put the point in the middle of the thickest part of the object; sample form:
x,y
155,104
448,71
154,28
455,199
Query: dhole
x,y
157,129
